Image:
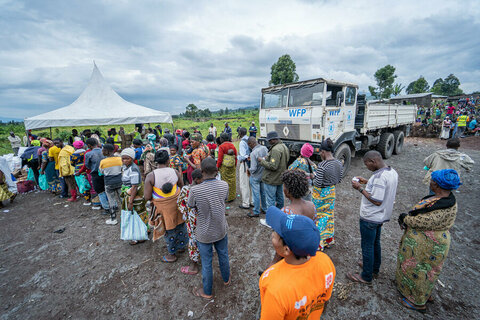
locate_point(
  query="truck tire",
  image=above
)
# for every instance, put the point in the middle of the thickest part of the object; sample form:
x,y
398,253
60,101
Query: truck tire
x,y
386,145
398,136
344,155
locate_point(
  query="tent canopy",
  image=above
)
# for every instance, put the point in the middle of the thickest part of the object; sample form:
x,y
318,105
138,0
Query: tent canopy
x,y
98,104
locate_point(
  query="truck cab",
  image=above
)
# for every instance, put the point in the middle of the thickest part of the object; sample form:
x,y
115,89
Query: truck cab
x,y
309,111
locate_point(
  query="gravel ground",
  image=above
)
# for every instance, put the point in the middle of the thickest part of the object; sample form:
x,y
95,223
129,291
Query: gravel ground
x,y
87,272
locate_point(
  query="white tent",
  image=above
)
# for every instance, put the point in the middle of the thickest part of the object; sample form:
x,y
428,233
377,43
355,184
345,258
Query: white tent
x,y
97,105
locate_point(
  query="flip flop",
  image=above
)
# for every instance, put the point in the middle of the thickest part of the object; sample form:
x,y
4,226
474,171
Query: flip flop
x,y
196,293
12,198
186,270
168,261
228,282
411,306
355,277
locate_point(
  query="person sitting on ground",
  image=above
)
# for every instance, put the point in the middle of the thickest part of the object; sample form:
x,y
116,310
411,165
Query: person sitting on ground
x,y
311,274
211,231
111,168
190,217
8,188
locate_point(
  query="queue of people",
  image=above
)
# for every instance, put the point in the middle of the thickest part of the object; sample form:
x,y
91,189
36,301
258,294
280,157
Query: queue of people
x,y
182,197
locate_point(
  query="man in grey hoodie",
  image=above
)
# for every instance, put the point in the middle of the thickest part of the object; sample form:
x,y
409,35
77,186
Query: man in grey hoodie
x,y
449,158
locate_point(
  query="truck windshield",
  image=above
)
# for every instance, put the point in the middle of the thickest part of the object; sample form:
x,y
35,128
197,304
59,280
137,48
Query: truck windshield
x,y
306,95
274,99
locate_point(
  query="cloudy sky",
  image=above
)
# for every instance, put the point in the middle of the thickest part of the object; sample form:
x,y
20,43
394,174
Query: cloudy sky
x,y
167,54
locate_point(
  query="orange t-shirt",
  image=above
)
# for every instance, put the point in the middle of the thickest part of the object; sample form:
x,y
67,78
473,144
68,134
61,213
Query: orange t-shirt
x,y
297,291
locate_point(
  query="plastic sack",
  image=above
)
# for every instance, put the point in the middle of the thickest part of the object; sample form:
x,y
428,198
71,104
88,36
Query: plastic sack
x,y
30,175
25,186
132,227
82,183
42,182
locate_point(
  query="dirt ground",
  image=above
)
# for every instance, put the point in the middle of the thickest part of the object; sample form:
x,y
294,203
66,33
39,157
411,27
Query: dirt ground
x,y
87,272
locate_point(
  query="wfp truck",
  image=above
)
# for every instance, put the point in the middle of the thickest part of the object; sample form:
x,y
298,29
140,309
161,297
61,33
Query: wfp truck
x,y
314,110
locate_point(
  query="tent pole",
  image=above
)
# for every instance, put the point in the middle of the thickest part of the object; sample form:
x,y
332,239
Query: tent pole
x,y
28,138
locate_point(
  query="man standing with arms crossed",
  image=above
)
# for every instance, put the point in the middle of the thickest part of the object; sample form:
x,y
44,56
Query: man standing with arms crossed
x,y
376,208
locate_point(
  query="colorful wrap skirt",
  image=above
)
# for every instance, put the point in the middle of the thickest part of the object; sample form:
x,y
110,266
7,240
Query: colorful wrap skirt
x,y
324,201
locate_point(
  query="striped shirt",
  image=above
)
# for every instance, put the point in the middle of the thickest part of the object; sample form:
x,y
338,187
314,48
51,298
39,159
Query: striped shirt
x,y
328,173
209,199
111,168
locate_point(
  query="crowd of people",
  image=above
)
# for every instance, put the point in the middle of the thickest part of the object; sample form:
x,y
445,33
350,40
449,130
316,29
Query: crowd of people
x,y
456,120
179,184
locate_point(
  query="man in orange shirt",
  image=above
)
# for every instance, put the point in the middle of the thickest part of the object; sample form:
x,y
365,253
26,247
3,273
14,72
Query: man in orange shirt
x,y
298,286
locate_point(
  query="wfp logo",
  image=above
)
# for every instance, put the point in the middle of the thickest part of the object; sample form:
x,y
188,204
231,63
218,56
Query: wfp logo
x,y
296,112
334,112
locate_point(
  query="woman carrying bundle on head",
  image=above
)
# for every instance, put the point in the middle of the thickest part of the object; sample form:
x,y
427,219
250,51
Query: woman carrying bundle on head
x,y
162,186
328,174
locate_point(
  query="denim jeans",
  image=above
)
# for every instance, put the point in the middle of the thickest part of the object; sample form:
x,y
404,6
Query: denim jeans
x,y
258,193
206,255
371,250
104,200
63,186
274,195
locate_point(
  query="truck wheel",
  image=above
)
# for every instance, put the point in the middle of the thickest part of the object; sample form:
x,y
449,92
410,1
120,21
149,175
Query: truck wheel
x,y
344,155
386,145
398,136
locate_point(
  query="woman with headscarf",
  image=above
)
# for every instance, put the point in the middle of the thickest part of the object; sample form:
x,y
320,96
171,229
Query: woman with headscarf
x,y
132,194
328,174
78,159
446,128
48,168
8,188
227,164
199,152
163,186
426,240
306,165
152,138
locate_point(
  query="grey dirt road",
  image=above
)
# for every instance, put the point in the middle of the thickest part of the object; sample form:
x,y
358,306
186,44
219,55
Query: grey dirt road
x,y
87,272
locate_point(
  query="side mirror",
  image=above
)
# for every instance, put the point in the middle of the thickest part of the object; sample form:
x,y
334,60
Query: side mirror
x,y
340,98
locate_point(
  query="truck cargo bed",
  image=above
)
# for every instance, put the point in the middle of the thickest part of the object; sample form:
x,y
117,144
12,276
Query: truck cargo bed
x,y
379,116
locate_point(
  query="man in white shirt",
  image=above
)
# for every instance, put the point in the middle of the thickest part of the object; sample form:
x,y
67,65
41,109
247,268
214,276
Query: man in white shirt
x,y
212,130
376,208
15,142
243,161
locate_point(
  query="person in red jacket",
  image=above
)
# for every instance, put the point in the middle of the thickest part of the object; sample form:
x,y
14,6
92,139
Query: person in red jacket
x,y
227,163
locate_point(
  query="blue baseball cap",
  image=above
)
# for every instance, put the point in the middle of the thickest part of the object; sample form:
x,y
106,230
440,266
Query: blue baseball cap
x,y
299,232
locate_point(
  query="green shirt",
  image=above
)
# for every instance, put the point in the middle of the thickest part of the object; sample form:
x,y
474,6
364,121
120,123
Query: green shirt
x,y
275,164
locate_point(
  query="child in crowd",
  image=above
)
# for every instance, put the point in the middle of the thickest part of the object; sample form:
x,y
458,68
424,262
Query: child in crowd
x,y
211,145
190,217
176,161
209,198
111,168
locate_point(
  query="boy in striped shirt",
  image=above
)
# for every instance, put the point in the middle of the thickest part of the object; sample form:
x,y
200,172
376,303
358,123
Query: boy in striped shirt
x,y
111,168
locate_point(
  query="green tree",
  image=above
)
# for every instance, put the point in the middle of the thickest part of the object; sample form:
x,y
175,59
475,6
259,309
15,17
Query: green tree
x,y
385,77
450,86
191,111
283,71
397,89
418,86
226,110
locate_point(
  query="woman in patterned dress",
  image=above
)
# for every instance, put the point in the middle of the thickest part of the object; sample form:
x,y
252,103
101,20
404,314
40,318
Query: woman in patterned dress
x,y
227,165
306,165
328,174
426,241
199,153
190,217
48,168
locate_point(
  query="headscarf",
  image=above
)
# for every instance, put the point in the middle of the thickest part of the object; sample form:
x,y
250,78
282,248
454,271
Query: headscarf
x,y
446,179
224,136
35,143
164,142
78,144
196,137
307,150
128,152
47,143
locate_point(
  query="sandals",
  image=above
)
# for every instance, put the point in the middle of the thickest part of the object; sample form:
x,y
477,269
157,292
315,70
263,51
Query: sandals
x,y
186,270
228,282
197,293
164,259
355,277
411,306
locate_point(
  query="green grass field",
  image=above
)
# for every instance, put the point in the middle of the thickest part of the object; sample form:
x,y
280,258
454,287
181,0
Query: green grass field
x,y
234,118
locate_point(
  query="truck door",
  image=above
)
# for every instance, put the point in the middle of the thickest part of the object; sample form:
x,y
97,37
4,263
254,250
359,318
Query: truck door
x,y
333,117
